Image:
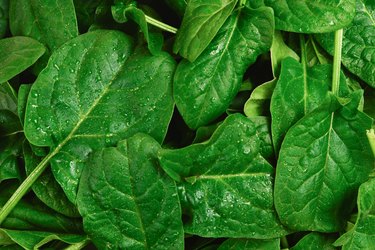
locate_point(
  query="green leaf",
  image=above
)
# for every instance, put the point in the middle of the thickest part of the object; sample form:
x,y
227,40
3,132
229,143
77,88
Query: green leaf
x,y
8,97
205,88
31,240
259,101
316,240
362,235
17,54
126,201
263,130
85,11
52,23
320,153
358,43
202,20
226,188
178,6
74,105
122,13
46,187
298,91
4,16
312,16
250,244
23,93
34,215
11,138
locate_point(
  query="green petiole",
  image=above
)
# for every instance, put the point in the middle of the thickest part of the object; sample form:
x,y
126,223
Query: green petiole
x,y
337,62
160,25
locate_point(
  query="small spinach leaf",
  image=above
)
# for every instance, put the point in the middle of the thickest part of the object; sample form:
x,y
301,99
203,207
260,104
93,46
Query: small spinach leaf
x,y
202,20
126,201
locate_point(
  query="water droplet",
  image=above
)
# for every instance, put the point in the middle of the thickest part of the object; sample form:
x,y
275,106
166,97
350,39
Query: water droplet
x,y
72,70
56,66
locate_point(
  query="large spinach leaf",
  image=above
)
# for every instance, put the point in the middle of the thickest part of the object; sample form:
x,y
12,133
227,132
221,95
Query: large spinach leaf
x,y
203,89
362,236
358,42
126,201
226,185
320,154
202,20
96,98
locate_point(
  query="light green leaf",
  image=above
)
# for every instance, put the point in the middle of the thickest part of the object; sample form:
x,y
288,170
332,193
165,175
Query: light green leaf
x,y
316,240
358,42
17,54
31,240
226,188
250,244
298,91
312,16
91,95
320,153
204,89
202,20
127,202
46,187
121,13
259,101
51,22
362,235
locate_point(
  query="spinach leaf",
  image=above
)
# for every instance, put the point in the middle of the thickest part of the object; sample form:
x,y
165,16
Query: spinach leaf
x,y
8,97
361,236
17,54
178,6
250,244
31,240
126,201
204,89
73,106
312,16
4,16
358,42
226,185
319,154
316,240
202,20
260,98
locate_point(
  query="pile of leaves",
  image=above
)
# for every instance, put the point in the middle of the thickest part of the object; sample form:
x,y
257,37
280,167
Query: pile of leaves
x,y
199,124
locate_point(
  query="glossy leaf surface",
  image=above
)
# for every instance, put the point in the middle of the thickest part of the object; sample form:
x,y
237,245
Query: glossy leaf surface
x,y
226,188
312,16
203,89
91,95
127,202
38,19
320,153
17,54
298,91
202,20
316,240
250,244
362,236
358,47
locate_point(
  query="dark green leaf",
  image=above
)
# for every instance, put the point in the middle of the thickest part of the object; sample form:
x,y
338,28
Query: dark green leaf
x,y
51,23
85,11
8,98
227,184
23,93
312,16
315,183
31,240
4,16
202,20
127,202
17,54
46,188
91,96
298,91
178,6
316,241
358,42
204,89
250,244
362,235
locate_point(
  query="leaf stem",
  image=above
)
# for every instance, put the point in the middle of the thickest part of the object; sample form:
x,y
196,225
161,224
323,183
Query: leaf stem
x,y
24,187
303,50
284,242
160,25
78,246
337,62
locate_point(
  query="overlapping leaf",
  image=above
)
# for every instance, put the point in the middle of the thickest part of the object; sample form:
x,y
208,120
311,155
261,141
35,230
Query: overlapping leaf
x,y
4,16
226,188
358,42
127,202
316,240
315,181
203,89
91,95
250,244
